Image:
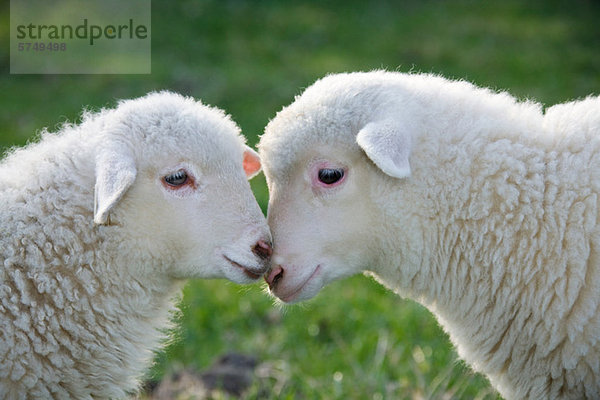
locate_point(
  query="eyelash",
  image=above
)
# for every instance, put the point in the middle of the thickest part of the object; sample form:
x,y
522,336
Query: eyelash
x,y
177,179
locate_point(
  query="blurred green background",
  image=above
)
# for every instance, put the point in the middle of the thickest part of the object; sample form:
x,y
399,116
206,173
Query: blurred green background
x,y
355,340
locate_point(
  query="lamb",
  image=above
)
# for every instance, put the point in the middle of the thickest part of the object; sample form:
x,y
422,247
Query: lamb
x,y
100,224
478,206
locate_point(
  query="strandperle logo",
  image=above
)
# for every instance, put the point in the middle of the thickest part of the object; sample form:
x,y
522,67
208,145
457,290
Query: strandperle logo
x,y
87,31
80,37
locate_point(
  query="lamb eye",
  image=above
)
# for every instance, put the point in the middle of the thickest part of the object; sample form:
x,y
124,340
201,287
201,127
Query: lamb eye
x,y
330,176
177,178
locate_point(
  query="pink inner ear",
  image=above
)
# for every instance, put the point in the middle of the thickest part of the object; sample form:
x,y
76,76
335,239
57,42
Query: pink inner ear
x,y
251,163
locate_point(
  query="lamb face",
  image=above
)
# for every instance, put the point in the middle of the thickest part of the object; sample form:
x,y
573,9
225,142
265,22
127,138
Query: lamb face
x,y
176,182
322,213
322,221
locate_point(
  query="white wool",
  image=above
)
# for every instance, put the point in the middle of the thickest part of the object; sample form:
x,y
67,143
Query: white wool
x,y
84,304
478,206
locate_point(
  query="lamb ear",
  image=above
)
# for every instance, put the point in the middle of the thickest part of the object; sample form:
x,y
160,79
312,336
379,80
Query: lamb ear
x,y
388,146
251,163
115,173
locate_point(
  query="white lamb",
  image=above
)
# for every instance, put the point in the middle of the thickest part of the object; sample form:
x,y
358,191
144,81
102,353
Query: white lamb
x,y
476,205
100,224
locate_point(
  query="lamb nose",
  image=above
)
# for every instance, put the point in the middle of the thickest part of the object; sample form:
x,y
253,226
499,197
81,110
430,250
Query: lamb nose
x,y
263,250
274,276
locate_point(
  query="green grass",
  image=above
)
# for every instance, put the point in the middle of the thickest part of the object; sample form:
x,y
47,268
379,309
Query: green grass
x,y
354,330
355,340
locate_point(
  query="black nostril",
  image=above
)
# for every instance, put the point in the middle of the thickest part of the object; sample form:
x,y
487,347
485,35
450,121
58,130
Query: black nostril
x,y
274,276
263,250
277,278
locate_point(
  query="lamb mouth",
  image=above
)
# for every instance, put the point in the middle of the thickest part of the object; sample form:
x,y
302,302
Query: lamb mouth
x,y
249,272
295,293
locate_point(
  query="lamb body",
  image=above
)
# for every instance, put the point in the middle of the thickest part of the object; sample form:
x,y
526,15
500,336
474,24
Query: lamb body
x,y
482,208
95,243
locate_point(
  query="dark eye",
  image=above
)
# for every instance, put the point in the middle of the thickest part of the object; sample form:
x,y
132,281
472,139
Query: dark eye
x,y
177,178
330,176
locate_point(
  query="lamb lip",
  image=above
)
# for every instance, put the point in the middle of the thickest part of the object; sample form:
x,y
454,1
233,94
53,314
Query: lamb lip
x,y
291,296
249,272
